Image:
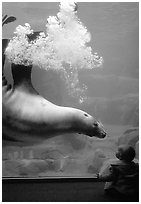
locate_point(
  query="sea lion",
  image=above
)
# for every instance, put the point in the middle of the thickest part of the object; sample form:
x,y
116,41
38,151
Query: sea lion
x,y
29,118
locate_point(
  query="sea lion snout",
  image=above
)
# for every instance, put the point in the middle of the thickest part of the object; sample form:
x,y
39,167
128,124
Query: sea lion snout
x,y
99,131
101,134
91,127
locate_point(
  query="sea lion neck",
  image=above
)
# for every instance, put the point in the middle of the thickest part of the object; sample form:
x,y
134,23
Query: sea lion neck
x,y
22,77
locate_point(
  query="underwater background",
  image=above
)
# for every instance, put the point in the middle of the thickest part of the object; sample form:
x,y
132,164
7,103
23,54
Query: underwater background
x,y
112,90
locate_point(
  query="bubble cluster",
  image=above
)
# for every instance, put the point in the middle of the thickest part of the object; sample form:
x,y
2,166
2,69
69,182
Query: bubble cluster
x,y
18,49
64,47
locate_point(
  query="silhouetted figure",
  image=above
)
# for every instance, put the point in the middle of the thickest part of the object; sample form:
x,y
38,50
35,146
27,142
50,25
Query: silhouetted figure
x,y
122,178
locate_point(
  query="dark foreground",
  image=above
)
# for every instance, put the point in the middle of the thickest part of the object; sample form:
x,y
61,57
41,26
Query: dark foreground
x,y
57,190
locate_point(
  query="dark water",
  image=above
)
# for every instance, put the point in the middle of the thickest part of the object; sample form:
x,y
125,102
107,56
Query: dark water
x,y
112,91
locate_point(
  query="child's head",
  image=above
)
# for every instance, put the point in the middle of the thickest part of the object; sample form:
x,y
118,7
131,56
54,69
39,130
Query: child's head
x,y
125,153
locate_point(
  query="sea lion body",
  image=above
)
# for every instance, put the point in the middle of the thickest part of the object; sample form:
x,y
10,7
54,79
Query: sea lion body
x,y
30,119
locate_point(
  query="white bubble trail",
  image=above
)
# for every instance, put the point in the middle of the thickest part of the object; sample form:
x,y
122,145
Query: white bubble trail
x,y
64,47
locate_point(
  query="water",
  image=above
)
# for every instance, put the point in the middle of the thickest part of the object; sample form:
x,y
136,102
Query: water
x,y
68,78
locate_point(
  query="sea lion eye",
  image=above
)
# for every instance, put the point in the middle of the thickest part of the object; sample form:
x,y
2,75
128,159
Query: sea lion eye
x,y
86,115
95,124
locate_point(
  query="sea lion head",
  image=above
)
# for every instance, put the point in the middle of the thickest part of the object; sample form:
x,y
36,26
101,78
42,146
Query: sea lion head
x,y
88,125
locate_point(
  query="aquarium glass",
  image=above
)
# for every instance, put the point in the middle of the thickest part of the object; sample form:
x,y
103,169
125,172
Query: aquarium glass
x,y
86,57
